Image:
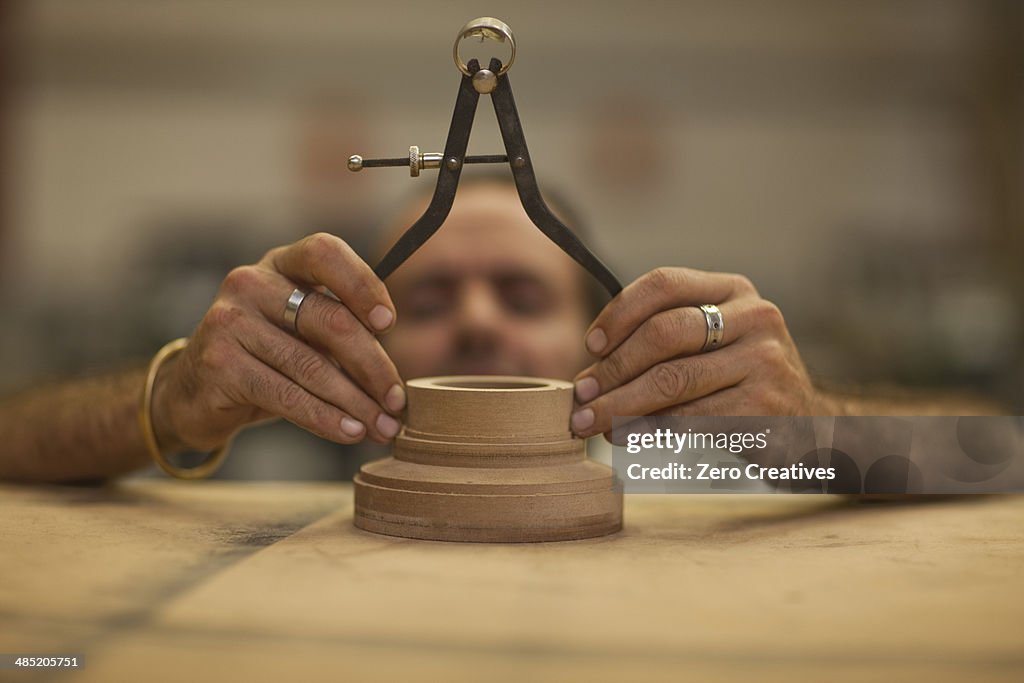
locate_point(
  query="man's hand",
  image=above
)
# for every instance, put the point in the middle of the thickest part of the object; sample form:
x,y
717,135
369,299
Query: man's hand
x,y
648,340
244,363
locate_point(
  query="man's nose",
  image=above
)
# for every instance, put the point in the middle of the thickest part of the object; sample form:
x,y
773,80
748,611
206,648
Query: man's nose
x,y
479,306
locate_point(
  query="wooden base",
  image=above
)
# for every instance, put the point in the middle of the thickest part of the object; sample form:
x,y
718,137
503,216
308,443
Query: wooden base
x,y
488,459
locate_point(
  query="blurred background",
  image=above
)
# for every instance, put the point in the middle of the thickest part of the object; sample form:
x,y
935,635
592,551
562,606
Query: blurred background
x,y
862,163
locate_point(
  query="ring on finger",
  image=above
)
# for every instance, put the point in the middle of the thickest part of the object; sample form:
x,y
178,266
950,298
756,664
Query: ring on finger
x,y
716,327
291,309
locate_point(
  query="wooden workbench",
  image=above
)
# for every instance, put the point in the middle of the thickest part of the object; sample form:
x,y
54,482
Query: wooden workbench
x,y
163,581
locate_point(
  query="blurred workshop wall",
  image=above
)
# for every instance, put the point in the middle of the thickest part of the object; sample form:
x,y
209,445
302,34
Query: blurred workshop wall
x,y
6,62
860,161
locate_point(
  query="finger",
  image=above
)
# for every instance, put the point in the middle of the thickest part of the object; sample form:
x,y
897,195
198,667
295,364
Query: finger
x,y
666,384
331,327
727,403
660,290
314,373
269,390
323,259
671,334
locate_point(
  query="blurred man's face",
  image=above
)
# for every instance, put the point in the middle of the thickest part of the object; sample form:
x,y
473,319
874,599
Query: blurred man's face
x,y
487,294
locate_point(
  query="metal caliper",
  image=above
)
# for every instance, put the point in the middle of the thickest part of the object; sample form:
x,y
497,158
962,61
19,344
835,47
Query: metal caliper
x,y
476,81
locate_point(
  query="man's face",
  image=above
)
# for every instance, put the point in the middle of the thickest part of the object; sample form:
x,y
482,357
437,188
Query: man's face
x,y
487,294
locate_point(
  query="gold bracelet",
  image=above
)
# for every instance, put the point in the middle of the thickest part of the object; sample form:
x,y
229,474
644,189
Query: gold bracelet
x,y
146,422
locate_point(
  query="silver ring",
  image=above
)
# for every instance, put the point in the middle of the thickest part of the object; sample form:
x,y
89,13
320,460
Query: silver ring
x,y
291,309
716,327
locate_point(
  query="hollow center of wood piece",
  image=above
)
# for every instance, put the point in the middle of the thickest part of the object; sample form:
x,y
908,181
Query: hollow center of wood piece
x,y
484,383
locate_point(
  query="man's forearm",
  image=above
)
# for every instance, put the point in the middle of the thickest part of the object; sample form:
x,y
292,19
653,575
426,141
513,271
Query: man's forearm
x,y
77,430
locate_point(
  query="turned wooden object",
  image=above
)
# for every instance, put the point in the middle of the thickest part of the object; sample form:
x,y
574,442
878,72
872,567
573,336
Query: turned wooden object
x,y
488,459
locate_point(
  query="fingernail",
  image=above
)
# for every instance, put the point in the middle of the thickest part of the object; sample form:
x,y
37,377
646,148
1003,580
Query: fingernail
x,y
381,317
596,340
352,427
582,420
387,425
395,398
587,390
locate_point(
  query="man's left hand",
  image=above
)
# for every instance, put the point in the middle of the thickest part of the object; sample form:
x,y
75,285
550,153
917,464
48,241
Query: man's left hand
x,y
649,342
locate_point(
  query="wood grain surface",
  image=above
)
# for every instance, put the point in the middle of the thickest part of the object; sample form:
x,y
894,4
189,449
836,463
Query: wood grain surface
x,y
205,581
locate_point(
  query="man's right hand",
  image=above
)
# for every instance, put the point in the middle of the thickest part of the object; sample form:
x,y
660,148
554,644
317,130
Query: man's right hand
x,y
244,363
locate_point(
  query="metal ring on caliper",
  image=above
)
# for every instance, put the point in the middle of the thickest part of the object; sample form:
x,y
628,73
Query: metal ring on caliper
x,y
485,27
